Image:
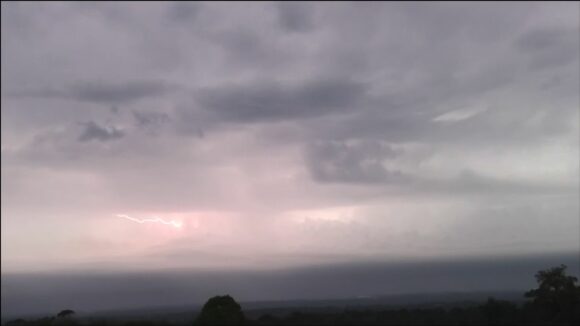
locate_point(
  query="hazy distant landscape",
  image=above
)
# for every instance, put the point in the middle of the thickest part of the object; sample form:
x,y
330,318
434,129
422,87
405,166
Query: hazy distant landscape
x,y
255,309
289,163
177,298
186,313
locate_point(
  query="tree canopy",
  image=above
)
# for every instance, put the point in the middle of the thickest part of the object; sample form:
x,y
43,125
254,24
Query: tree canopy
x,y
65,313
557,295
221,310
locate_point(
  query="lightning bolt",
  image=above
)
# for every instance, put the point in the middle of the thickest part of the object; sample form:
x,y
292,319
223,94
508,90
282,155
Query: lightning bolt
x,y
173,223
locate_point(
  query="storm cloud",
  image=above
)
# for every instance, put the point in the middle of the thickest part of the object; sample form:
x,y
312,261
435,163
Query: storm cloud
x,y
94,131
99,92
287,135
276,102
357,162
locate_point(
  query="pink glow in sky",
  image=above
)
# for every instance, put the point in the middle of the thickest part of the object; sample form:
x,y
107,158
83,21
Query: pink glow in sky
x,y
266,135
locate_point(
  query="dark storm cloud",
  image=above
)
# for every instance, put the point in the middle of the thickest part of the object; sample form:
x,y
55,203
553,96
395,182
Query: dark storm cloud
x,y
294,16
151,121
545,38
243,47
481,21
550,47
117,92
366,163
275,102
93,131
184,11
352,163
150,118
101,92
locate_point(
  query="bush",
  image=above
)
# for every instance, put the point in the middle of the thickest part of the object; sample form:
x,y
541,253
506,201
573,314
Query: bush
x,y
221,310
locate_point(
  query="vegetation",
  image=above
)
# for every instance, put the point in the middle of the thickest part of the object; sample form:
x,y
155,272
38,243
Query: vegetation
x,y
556,301
557,297
65,313
221,310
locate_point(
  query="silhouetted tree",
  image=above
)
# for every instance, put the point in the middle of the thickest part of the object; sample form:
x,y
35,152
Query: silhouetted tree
x,y
221,310
557,295
65,313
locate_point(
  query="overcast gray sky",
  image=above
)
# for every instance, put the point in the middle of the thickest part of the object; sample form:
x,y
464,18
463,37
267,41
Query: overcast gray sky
x,y
281,135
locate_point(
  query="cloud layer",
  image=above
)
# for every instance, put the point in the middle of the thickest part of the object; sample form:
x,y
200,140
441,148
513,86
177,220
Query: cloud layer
x,y
287,134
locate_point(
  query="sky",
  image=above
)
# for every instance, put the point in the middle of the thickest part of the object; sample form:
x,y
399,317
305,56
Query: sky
x,y
283,136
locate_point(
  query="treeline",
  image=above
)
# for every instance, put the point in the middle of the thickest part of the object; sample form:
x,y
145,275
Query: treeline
x,y
556,301
493,312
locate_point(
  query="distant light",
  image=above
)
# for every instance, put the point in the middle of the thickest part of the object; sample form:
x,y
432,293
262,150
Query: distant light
x,y
177,224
